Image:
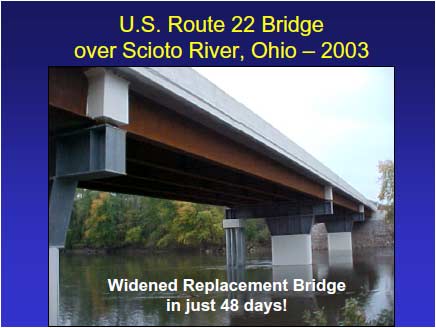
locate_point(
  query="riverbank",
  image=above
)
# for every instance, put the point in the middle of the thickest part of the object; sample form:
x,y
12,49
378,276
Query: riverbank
x,y
263,250
135,250
259,249
375,233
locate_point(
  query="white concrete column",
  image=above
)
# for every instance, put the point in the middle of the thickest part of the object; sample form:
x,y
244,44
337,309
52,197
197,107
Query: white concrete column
x,y
328,193
53,285
291,249
340,249
108,96
340,241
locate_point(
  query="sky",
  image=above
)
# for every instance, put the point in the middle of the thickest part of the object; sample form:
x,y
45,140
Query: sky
x,y
343,116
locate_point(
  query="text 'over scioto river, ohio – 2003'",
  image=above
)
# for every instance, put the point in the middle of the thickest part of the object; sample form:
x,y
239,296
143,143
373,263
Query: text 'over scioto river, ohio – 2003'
x,y
194,49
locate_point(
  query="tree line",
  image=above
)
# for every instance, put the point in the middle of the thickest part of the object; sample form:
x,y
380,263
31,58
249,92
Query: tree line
x,y
102,220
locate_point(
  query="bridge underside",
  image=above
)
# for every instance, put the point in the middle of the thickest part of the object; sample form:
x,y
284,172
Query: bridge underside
x,y
156,170
168,156
159,171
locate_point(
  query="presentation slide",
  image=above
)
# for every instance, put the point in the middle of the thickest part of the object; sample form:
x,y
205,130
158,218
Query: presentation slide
x,y
217,163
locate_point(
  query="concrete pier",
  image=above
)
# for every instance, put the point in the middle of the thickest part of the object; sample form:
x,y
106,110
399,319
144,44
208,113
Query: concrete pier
x,y
340,241
291,249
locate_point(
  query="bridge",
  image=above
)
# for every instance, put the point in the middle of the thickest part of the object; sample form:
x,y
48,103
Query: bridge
x,y
170,133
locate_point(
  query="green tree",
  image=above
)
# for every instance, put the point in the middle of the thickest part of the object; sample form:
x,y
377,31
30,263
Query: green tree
x,y
386,170
352,314
155,216
134,236
110,220
82,204
194,225
385,318
316,318
257,232
103,227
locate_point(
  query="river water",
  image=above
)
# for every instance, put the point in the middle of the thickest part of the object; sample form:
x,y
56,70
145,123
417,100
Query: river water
x,y
86,300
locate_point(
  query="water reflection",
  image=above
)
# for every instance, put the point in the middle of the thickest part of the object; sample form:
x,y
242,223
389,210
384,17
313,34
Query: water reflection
x,y
85,299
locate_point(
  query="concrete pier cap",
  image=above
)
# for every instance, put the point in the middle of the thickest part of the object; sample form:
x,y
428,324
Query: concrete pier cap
x,y
235,242
233,223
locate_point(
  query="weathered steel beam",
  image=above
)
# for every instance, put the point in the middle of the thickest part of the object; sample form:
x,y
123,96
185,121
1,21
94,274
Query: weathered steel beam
x,y
157,184
267,210
151,155
339,199
151,173
68,89
156,193
163,126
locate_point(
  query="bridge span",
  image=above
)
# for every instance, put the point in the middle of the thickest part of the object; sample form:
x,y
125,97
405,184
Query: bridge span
x,y
170,133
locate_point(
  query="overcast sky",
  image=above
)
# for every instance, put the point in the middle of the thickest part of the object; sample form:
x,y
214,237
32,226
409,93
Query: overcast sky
x,y
342,116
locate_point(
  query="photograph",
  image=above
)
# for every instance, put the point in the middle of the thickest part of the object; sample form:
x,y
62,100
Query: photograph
x,y
221,196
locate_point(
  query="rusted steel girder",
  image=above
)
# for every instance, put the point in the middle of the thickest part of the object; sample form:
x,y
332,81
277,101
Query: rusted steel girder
x,y
155,123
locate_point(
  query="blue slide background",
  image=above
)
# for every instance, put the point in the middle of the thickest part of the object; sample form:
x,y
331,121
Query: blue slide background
x,y
38,35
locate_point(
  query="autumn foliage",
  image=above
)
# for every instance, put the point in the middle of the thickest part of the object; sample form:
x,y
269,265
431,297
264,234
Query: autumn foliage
x,y
107,220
